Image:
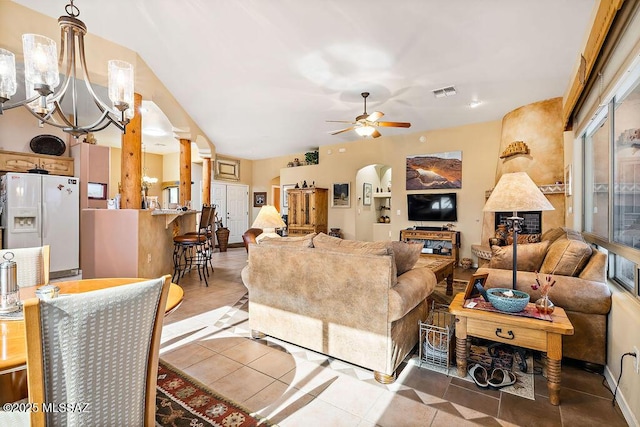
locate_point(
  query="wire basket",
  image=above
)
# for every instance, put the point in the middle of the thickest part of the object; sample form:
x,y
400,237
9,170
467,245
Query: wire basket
x,y
436,338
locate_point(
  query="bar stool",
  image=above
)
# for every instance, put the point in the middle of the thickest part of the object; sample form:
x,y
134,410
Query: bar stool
x,y
189,249
207,224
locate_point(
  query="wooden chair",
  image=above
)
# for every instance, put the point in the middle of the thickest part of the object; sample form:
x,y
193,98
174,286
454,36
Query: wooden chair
x,y
99,348
32,265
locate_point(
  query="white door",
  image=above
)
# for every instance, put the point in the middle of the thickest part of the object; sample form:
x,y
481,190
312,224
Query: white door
x,y
61,221
237,211
232,206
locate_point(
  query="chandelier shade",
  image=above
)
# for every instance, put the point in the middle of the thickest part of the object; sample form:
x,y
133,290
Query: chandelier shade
x,y
8,86
44,90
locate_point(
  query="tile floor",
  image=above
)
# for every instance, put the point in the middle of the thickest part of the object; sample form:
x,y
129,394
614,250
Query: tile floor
x,y
208,337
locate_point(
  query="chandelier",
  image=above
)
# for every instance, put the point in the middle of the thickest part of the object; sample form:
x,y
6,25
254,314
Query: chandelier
x,y
44,93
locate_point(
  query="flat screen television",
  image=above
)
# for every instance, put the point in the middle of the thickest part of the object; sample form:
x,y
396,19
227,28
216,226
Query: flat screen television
x,y
432,207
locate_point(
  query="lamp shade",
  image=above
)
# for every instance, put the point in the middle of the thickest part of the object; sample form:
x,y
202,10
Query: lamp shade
x,y
365,130
516,192
268,217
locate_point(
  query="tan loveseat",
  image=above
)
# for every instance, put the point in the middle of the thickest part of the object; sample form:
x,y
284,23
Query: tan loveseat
x,y
581,288
342,299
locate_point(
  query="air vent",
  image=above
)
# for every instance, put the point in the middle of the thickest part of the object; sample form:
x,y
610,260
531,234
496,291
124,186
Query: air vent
x,y
445,91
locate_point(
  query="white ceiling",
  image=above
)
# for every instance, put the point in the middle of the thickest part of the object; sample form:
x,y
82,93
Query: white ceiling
x,y
261,78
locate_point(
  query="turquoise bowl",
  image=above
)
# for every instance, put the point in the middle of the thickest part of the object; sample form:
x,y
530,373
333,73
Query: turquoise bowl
x,y
513,304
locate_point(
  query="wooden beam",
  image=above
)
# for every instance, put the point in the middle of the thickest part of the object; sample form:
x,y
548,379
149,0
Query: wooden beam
x,y
206,181
131,160
185,171
605,14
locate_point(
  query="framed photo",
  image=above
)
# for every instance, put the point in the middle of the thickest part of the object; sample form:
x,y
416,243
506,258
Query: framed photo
x,y
471,291
341,195
285,195
259,198
568,172
227,169
367,190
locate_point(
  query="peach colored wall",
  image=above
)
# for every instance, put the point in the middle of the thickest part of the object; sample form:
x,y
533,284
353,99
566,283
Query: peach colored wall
x,y
128,242
539,125
479,144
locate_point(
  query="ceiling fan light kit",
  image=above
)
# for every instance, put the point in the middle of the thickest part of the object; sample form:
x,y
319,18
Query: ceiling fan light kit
x,y
365,124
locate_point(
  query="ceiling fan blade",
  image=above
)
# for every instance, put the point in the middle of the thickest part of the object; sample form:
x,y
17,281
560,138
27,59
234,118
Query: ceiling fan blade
x,y
342,130
375,116
393,124
340,121
375,134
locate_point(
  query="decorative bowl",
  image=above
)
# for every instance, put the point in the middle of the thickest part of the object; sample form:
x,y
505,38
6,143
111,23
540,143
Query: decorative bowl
x,y
511,304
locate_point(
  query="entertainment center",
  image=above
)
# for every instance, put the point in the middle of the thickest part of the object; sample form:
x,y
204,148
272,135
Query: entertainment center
x,y
436,242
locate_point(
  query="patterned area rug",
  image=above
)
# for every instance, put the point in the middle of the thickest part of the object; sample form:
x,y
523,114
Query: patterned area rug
x,y
183,401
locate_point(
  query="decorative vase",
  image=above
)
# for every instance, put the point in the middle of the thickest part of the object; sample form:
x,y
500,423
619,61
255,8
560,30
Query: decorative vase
x,y
222,234
544,305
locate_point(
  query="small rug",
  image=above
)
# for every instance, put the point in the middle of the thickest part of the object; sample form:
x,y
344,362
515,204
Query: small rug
x,y
183,401
524,386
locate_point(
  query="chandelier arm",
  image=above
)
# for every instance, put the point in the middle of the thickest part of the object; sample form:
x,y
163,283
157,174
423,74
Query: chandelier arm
x,y
22,103
87,81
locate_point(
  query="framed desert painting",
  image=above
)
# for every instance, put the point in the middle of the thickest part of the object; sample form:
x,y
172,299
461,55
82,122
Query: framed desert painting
x,y
341,197
434,171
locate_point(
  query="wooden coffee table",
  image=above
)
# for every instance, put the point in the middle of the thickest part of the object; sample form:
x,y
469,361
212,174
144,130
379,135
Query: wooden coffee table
x,y
519,331
442,268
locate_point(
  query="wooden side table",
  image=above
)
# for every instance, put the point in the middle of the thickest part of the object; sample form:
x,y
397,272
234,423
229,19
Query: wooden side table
x,y
534,334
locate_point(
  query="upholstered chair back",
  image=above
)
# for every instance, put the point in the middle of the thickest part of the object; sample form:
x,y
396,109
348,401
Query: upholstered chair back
x,y
97,348
32,265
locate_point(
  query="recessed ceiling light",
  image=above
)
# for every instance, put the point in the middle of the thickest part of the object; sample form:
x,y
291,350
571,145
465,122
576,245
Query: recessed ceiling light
x,y
475,103
153,132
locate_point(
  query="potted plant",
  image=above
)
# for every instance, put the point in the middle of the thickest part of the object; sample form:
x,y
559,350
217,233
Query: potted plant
x,y
222,234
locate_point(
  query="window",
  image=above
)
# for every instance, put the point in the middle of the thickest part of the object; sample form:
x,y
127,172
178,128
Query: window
x,y
596,178
611,192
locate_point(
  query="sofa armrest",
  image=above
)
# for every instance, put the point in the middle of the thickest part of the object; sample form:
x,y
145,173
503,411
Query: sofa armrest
x,y
570,293
412,288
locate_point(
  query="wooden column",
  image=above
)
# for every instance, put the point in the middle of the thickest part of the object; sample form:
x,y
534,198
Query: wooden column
x,y
206,181
131,160
185,171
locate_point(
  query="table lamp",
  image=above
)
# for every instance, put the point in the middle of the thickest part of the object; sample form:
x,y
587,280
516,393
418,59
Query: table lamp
x,y
516,192
268,219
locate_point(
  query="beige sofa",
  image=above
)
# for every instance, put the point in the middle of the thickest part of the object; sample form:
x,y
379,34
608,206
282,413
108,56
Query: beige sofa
x,y
581,288
342,299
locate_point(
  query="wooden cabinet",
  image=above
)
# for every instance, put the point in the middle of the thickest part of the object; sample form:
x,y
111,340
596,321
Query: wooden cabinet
x,y
11,161
436,243
308,211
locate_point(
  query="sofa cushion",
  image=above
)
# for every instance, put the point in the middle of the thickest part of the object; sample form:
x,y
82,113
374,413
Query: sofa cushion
x,y
566,256
530,256
405,254
300,241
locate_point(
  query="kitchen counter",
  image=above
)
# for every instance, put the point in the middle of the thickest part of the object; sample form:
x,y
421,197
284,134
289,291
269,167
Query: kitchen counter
x,y
171,214
130,242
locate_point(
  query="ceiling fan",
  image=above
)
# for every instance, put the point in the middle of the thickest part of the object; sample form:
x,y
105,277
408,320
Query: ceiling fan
x,y
365,124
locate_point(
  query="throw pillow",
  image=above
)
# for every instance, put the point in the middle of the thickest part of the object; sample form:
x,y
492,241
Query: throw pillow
x,y
406,255
299,241
553,234
566,257
530,256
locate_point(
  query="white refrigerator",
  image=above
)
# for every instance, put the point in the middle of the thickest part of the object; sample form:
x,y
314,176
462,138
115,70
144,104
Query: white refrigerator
x,y
43,210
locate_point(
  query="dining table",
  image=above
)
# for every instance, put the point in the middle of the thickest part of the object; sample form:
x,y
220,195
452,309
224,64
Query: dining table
x,y
13,350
